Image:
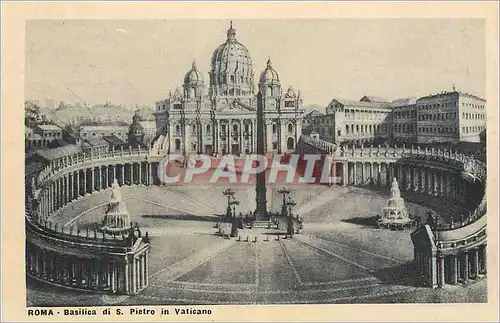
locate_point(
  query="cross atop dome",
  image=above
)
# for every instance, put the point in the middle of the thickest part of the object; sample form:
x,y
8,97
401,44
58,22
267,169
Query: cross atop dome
x,y
269,63
194,64
231,33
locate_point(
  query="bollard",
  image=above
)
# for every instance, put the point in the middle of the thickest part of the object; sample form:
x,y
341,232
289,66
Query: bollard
x,y
255,240
247,238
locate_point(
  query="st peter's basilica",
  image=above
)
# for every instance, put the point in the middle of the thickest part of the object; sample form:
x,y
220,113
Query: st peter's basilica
x,y
222,120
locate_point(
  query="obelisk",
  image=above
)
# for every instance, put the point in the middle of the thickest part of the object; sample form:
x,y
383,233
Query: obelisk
x,y
260,188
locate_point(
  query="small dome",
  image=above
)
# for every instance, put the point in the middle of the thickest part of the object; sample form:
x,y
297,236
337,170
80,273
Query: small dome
x,y
136,128
194,76
269,75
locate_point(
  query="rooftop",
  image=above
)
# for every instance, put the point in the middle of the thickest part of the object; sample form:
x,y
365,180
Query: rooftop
x,y
51,154
113,140
374,99
49,127
362,104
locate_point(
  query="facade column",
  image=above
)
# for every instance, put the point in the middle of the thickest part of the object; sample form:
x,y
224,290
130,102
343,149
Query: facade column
x,y
114,172
123,174
379,174
132,173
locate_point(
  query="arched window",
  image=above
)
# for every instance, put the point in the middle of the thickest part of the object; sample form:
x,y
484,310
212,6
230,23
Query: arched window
x,y
209,130
290,143
269,91
177,128
274,127
191,92
290,127
193,128
177,144
347,129
235,128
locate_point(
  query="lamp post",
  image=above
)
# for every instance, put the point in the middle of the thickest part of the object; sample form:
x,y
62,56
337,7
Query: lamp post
x,y
290,203
285,192
230,196
234,224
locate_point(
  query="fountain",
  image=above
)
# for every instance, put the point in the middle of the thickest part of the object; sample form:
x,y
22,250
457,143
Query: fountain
x,y
395,212
117,217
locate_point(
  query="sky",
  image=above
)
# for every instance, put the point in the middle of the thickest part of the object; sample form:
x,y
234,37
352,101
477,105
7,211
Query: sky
x,y
137,62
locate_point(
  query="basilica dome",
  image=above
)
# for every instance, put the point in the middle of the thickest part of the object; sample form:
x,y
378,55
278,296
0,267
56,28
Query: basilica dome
x,y
231,68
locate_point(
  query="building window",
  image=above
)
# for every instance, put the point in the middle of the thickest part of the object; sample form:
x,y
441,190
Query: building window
x,y
274,128
290,127
177,128
208,128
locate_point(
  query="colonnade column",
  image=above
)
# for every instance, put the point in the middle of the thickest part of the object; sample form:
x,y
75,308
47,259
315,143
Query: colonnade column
x,y
140,171
466,267
441,278
454,269
484,262
415,178
150,174
84,181
354,174
123,174
475,262
92,187
345,173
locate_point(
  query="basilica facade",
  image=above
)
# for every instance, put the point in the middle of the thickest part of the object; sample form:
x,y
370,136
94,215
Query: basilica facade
x,y
218,116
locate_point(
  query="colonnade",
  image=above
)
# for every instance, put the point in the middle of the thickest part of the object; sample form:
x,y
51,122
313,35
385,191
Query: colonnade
x,y
436,181
72,185
91,272
453,268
